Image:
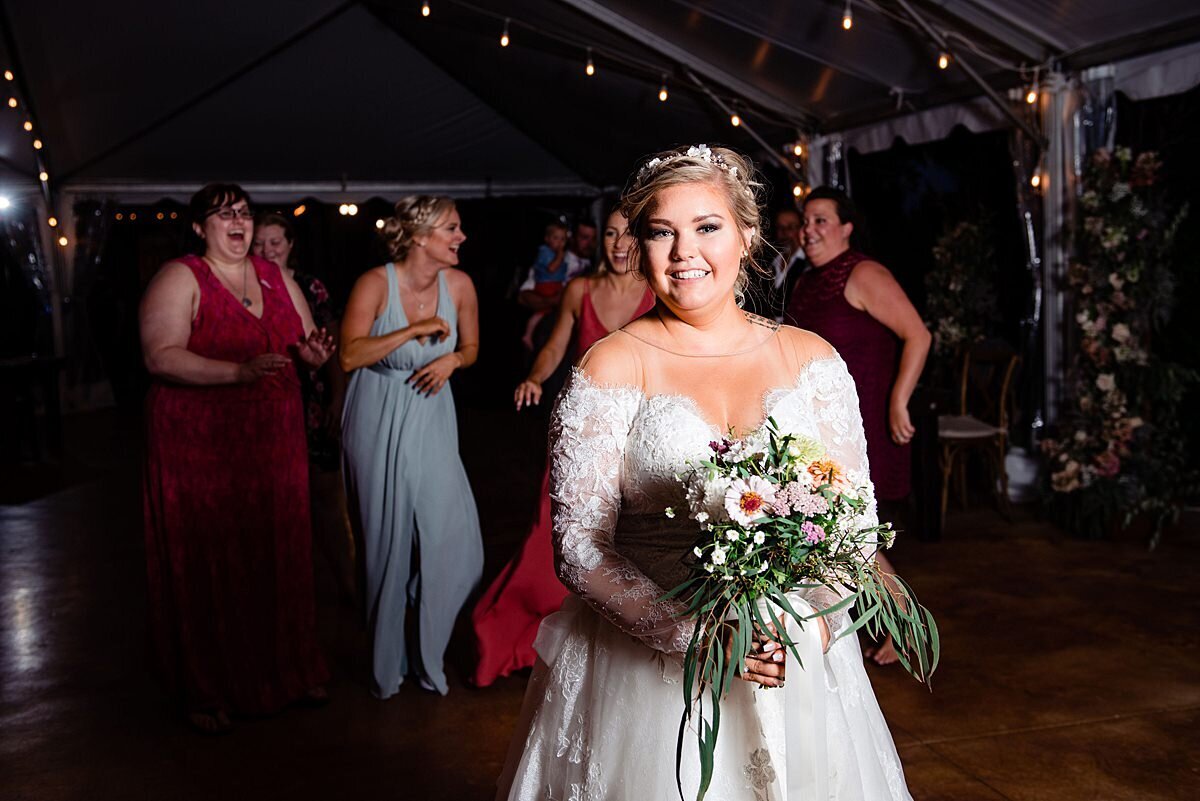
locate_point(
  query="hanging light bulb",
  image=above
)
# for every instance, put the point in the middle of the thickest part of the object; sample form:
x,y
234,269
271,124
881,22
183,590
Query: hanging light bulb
x,y
379,224
8,76
174,215
12,102
28,126
296,212
159,216
425,9
132,216
504,36
797,190
847,17
43,176
343,209
52,222
352,209
37,144
62,240
798,149
591,65
1036,180
943,60
735,120
119,216
662,90
1032,96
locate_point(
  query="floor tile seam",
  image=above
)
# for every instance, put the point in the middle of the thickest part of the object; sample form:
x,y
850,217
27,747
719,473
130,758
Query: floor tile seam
x,y
1064,725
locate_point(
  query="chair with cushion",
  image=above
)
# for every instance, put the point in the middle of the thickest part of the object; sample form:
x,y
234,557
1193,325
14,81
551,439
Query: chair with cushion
x,y
984,414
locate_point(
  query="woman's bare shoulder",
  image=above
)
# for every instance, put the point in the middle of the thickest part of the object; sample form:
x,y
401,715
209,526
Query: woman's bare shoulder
x,y
804,345
613,361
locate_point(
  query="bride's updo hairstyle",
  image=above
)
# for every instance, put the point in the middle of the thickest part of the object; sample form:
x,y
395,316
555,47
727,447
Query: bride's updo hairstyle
x,y
731,173
415,215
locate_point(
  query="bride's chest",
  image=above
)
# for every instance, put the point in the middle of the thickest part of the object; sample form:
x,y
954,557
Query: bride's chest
x,y
669,435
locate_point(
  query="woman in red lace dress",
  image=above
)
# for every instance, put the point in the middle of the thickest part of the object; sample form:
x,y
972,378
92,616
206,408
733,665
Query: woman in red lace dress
x,y
506,618
858,307
228,543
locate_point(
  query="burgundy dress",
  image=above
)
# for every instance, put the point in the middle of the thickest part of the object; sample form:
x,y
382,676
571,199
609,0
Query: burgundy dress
x,y
869,348
225,497
507,617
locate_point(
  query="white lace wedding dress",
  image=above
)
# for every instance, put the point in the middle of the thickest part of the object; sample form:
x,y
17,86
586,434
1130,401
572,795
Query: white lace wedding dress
x,y
603,706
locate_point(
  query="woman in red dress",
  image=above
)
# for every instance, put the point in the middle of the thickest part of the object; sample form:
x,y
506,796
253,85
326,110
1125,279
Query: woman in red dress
x,y
506,618
228,543
857,305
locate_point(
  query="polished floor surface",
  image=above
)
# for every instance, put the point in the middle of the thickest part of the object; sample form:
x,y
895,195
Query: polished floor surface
x,y
1070,669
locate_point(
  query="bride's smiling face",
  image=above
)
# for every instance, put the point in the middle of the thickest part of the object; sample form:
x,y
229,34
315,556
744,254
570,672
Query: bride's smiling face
x,y
693,247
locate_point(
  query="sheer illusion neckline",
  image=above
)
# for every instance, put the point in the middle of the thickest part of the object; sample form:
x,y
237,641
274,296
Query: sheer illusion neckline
x,y
773,326
771,397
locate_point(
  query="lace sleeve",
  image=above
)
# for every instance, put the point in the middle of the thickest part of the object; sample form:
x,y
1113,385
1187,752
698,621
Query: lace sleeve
x,y
588,433
839,422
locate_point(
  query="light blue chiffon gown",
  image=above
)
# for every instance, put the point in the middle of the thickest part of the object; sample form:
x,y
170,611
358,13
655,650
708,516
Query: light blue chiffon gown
x,y
419,526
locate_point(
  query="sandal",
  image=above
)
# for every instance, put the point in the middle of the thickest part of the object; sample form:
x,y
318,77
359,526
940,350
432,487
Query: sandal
x,y
212,723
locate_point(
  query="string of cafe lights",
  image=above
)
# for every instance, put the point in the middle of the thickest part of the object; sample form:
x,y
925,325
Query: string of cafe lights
x,y
13,103
735,107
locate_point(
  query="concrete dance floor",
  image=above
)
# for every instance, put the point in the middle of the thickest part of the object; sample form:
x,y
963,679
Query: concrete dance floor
x,y
1070,669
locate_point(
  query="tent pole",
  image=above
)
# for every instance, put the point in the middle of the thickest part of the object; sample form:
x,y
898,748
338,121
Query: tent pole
x,y
941,42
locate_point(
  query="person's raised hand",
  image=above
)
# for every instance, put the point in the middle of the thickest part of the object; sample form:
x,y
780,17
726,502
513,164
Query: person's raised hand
x,y
315,349
529,393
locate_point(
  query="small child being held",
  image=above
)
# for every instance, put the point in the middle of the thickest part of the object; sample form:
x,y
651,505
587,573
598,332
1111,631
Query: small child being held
x,y
549,273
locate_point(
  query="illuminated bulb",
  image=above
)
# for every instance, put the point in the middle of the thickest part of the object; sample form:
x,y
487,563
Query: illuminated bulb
x,y
1036,180
132,215
12,102
343,209
735,120
28,126
943,61
8,76
37,144
43,176
5,202
296,212
119,216
425,9
62,240
1032,97
159,216
504,36
174,215
591,66
379,224
797,190
798,150
52,222
847,17
352,209
662,90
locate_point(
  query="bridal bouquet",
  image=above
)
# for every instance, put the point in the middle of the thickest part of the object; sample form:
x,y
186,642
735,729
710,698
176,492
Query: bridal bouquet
x,y
777,515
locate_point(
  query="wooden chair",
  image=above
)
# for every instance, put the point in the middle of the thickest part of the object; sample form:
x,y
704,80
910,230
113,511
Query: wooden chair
x,y
985,403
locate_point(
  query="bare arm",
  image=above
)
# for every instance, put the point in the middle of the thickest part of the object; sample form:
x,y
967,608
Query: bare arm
x,y
432,377
529,392
367,301
874,290
165,318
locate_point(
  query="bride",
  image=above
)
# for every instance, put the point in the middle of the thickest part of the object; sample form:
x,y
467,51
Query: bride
x,y
602,711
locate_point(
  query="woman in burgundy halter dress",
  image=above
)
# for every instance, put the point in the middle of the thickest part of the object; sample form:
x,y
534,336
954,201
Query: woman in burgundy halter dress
x,y
506,618
858,307
228,543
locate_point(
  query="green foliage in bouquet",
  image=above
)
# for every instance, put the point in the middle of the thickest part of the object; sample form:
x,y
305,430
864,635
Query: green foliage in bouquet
x,y
777,515
960,295
1119,449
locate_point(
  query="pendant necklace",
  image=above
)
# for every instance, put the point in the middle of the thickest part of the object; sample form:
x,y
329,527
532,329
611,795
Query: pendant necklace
x,y
420,303
222,279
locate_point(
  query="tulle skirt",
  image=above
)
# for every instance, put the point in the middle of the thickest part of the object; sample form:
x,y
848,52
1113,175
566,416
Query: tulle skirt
x,y
602,712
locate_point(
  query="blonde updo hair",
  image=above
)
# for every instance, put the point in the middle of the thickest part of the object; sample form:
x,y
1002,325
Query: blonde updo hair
x,y
415,215
731,173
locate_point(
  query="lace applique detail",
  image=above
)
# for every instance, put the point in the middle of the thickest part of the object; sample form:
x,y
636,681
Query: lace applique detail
x,y
760,773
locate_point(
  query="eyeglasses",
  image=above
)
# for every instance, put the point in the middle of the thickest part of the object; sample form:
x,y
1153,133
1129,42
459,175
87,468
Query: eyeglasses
x,y
227,214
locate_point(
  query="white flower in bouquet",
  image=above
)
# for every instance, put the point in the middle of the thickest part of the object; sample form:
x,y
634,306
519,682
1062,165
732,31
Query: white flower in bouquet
x,y
1106,382
718,555
805,449
746,500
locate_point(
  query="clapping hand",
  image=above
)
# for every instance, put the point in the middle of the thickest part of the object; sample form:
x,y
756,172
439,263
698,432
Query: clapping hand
x,y
315,349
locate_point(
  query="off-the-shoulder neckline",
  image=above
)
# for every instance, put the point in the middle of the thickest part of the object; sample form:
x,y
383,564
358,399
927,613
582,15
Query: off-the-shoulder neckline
x,y
770,399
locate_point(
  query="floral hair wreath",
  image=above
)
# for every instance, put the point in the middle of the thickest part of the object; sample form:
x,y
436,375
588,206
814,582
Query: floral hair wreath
x,y
703,152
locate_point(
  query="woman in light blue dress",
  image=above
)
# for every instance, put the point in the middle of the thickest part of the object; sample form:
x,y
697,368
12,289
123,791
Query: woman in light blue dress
x,y
408,326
